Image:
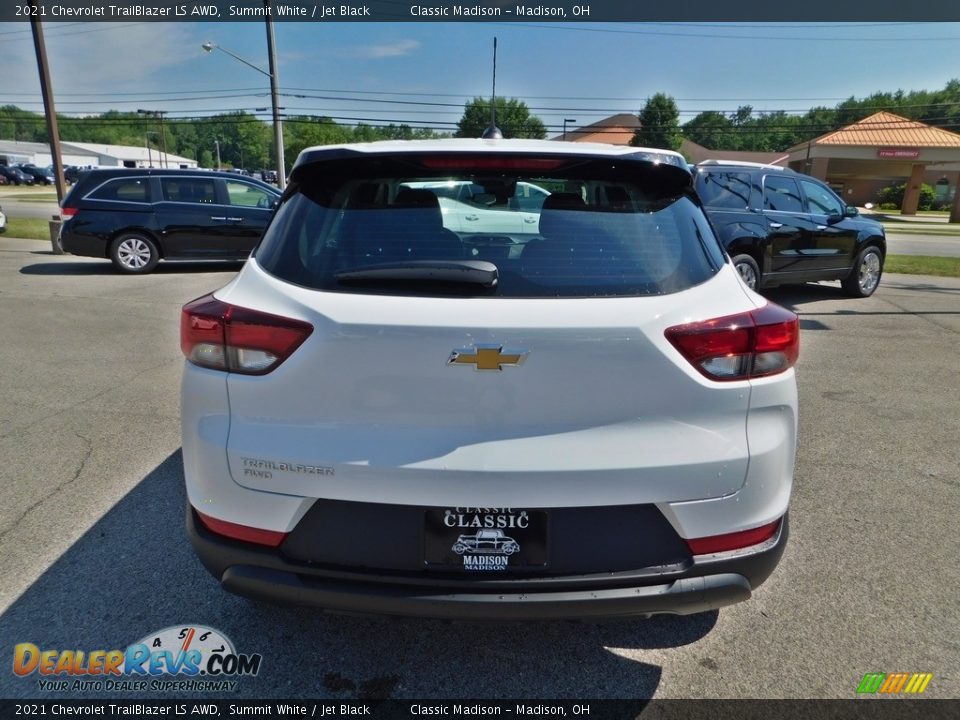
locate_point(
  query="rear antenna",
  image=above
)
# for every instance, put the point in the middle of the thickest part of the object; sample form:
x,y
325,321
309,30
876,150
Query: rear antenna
x,y
493,132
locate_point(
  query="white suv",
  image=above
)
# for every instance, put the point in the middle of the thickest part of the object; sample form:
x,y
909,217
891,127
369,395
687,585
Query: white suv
x,y
600,386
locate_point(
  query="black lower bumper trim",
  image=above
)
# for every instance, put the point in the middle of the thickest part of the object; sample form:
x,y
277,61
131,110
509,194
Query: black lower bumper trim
x,y
702,583
681,597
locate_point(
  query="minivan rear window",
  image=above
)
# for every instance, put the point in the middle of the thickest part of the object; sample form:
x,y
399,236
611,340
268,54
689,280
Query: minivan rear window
x,y
124,190
595,228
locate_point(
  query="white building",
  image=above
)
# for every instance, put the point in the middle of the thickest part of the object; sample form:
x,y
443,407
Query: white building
x,y
91,154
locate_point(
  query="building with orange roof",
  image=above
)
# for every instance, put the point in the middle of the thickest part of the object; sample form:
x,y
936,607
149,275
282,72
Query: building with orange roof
x,y
880,150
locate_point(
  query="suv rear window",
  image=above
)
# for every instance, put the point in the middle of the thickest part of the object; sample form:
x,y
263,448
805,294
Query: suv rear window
x,y
589,228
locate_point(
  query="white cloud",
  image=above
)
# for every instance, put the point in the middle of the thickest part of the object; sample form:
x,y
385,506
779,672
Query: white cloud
x,y
385,50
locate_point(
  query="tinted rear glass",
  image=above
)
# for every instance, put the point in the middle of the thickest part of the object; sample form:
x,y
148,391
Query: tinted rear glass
x,y
731,190
591,228
782,194
124,189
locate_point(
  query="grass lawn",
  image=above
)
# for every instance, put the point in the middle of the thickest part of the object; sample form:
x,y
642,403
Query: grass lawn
x,y
923,265
931,213
29,228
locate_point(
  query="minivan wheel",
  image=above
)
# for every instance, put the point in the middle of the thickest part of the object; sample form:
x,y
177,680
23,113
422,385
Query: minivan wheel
x,y
134,254
865,275
748,269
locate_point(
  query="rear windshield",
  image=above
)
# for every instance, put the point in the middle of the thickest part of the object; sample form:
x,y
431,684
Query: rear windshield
x,y
593,228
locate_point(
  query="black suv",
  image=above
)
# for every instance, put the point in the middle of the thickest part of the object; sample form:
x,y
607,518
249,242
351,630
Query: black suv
x,y
780,226
136,217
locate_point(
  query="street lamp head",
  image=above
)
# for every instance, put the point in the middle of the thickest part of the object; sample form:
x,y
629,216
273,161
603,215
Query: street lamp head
x,y
208,46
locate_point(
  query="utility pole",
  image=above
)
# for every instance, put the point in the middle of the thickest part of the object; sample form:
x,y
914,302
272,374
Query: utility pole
x,y
46,88
163,137
217,144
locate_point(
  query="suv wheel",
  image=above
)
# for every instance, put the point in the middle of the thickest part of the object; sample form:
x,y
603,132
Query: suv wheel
x,y
865,276
748,269
134,253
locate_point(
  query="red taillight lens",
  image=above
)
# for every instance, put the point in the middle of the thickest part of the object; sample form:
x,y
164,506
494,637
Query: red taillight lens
x,y
738,347
733,541
67,212
269,538
221,336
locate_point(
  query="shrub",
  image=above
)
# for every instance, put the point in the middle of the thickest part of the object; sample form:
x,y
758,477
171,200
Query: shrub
x,y
893,195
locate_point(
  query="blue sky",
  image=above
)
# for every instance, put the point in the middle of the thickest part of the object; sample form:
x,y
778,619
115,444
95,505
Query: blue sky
x,y
583,71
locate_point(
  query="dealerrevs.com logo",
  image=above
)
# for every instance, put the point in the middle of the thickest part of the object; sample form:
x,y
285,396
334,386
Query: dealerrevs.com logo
x,y
177,658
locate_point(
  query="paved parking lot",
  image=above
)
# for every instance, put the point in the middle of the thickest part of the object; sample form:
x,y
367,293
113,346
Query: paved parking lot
x,y
93,554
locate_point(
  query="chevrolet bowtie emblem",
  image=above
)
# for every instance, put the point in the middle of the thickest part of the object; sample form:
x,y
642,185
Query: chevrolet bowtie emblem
x,y
487,357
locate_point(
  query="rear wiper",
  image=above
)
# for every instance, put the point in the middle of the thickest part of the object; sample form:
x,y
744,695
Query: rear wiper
x,y
475,272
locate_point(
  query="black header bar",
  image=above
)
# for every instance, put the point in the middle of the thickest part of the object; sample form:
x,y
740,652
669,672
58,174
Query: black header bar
x,y
317,11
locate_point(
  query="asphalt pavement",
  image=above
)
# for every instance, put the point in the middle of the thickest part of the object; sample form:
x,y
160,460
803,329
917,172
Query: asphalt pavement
x,y
93,553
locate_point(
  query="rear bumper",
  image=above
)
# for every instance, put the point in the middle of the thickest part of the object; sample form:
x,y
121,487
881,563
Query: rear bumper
x,y
83,245
704,583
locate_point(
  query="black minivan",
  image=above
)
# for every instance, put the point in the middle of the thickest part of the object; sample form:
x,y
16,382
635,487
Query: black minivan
x,y
136,217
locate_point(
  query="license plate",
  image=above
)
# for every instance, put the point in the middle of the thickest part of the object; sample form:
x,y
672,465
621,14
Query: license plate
x,y
485,539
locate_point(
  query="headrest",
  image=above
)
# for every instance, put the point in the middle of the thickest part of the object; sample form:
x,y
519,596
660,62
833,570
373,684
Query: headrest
x,y
416,198
564,201
554,217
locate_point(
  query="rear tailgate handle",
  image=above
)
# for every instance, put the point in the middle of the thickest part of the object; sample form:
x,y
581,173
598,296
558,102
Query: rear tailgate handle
x,y
821,227
776,226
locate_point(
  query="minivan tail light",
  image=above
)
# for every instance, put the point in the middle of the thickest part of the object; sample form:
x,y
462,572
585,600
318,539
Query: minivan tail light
x,y
221,336
753,344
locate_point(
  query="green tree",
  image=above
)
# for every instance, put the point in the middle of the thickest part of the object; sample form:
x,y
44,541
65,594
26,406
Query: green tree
x,y
711,129
659,124
513,119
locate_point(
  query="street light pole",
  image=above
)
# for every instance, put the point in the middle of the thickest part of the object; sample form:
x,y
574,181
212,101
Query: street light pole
x,y
274,91
565,121
275,100
217,144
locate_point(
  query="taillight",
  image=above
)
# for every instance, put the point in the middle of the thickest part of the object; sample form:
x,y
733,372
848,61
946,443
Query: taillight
x,y
734,540
234,531
738,347
217,335
67,211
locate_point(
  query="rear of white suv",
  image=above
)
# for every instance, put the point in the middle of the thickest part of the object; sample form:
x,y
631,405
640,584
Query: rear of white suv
x,y
600,386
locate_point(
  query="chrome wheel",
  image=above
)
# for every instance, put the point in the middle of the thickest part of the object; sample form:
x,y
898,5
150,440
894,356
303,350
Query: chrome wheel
x,y
747,267
869,273
134,253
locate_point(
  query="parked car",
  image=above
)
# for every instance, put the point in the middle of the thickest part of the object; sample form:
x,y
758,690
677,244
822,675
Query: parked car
x,y
3,221
16,176
780,227
472,207
137,217
269,176
40,175
612,394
